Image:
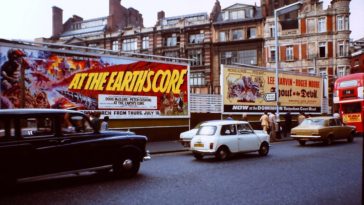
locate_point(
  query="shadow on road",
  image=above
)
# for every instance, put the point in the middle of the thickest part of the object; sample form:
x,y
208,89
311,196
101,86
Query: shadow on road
x,y
321,144
62,182
235,157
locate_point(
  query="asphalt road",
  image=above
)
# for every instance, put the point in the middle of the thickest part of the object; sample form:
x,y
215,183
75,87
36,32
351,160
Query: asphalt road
x,y
290,174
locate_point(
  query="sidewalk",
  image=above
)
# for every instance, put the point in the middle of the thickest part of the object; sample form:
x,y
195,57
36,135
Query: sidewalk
x,y
174,146
165,147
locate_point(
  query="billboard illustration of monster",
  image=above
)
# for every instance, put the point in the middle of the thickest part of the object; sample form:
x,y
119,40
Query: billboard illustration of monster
x,y
118,87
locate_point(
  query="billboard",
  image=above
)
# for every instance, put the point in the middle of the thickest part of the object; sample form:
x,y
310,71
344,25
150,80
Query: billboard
x,y
118,87
251,90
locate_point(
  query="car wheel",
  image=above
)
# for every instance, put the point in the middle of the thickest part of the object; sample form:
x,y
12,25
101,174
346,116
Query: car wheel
x,y
264,149
302,142
222,153
198,156
127,166
328,140
351,137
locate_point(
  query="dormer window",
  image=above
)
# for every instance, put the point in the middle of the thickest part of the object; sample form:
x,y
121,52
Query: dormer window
x,y
225,16
251,12
238,14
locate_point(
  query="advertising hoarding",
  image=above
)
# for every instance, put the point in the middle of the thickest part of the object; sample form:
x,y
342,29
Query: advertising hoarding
x,y
119,87
251,90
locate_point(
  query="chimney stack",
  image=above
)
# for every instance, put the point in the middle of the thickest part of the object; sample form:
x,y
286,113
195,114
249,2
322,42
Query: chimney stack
x,y
161,15
57,21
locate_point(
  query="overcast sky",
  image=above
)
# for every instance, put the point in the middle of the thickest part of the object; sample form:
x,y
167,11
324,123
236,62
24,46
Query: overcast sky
x,y
29,19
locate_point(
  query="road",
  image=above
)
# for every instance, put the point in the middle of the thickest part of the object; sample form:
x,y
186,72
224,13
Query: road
x,y
290,174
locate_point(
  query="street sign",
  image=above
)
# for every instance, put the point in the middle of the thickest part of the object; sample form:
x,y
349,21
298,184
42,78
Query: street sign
x,y
269,97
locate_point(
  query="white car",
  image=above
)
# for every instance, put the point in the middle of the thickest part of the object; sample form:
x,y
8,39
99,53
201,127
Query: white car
x,y
186,137
225,137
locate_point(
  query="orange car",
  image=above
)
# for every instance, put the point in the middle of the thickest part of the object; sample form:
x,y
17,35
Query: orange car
x,y
325,129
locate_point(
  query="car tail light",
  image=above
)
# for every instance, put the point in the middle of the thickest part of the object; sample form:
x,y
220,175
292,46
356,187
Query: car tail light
x,y
211,145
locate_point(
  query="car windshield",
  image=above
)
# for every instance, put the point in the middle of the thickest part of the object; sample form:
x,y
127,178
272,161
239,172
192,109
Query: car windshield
x,y
198,125
206,130
313,122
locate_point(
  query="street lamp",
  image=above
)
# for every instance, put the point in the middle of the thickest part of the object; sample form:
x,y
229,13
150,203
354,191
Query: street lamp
x,y
283,10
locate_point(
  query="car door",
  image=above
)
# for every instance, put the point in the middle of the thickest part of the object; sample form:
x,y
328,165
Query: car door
x,y
80,145
16,156
38,132
248,140
334,128
228,136
343,131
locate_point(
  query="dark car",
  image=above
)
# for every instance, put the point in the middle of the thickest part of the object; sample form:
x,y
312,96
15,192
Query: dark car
x,y
45,141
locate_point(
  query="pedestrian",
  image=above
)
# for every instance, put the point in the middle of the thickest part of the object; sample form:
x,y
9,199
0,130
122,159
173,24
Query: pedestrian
x,y
265,122
301,117
105,123
96,123
336,115
287,124
273,127
229,118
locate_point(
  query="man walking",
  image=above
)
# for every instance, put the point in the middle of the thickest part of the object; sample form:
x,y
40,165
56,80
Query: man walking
x,y
287,124
265,122
273,127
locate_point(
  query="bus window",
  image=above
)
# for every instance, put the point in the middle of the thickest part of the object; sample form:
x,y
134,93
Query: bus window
x,y
351,108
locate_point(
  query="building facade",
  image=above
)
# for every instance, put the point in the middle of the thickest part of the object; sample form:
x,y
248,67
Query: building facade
x,y
315,41
237,36
357,56
311,40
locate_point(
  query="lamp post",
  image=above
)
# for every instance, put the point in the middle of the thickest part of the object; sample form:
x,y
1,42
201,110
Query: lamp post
x,y
283,10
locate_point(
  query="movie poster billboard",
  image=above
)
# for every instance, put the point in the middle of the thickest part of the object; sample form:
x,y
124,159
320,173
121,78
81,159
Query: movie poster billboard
x,y
248,90
120,88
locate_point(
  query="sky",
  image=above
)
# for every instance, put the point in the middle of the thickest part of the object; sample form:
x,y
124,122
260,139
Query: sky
x,y
27,20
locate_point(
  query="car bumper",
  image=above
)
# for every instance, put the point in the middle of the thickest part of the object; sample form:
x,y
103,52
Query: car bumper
x,y
204,152
147,156
306,137
185,143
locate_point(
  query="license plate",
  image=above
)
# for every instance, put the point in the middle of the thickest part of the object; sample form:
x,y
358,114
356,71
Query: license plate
x,y
198,145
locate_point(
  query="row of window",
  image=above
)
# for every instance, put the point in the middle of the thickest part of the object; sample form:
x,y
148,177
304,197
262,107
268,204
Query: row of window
x,y
173,40
132,43
319,25
313,51
342,23
237,34
340,71
88,24
237,14
240,57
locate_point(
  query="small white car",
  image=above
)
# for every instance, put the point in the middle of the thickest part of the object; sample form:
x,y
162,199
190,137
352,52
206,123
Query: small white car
x,y
186,137
225,137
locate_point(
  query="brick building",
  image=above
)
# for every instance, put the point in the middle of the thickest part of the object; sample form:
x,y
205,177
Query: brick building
x,y
357,56
314,41
311,40
237,36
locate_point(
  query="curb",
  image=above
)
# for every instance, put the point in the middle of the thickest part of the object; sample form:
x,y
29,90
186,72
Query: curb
x,y
171,151
185,149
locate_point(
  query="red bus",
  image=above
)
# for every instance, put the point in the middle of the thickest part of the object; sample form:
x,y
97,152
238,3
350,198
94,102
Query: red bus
x,y
349,99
